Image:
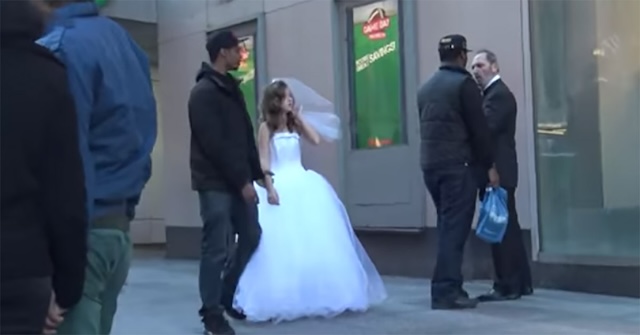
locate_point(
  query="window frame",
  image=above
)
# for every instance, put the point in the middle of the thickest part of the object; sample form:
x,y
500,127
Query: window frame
x,y
538,255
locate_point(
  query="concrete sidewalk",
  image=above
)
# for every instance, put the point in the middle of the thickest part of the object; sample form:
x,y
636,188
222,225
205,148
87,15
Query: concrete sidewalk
x,y
161,297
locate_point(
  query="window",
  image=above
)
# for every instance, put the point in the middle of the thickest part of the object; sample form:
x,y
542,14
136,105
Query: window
x,y
375,70
586,79
246,74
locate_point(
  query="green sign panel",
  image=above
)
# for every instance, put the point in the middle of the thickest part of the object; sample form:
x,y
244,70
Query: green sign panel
x,y
101,3
246,75
377,78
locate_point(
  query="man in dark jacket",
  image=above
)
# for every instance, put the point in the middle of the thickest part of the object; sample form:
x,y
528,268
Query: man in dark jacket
x,y
44,221
455,141
510,260
224,165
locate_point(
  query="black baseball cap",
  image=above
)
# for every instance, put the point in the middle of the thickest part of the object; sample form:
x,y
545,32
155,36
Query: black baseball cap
x,y
221,40
453,42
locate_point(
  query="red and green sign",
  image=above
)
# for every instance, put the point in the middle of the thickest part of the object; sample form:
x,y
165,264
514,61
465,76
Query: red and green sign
x,y
377,77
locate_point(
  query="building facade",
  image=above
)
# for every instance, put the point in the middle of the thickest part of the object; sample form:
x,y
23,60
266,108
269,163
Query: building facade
x,y
574,67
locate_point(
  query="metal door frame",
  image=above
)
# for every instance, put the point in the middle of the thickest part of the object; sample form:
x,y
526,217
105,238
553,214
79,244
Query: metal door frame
x,y
410,79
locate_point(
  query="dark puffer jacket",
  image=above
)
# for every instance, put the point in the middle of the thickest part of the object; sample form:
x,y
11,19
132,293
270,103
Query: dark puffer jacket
x,y
453,128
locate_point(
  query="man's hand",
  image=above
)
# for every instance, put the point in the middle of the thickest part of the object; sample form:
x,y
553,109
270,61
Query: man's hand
x,y
494,178
273,198
54,317
249,193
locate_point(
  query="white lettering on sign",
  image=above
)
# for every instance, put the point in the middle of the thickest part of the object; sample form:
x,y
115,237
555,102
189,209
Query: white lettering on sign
x,y
365,61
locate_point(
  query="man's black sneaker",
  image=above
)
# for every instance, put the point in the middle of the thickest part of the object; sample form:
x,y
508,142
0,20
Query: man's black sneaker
x,y
217,325
234,313
458,303
463,293
227,303
496,295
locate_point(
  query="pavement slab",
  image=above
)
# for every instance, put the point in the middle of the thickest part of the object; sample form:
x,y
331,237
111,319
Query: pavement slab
x,y
161,297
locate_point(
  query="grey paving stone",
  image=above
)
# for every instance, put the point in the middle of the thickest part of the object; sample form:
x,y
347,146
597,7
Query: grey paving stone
x,y
161,297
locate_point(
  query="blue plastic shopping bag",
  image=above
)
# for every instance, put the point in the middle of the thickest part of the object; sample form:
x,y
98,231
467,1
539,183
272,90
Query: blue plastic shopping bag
x,y
494,216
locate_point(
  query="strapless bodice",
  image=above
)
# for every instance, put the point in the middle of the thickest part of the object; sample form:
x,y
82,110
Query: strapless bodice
x,y
285,152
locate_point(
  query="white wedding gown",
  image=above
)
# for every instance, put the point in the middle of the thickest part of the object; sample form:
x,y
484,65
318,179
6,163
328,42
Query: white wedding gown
x,y
309,262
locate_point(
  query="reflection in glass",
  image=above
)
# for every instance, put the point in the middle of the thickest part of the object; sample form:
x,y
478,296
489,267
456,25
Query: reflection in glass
x,y
246,74
586,80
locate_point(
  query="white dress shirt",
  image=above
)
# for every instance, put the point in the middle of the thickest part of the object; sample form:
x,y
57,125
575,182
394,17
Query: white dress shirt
x,y
493,80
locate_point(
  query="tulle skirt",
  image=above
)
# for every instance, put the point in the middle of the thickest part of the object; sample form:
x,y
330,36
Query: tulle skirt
x,y
309,262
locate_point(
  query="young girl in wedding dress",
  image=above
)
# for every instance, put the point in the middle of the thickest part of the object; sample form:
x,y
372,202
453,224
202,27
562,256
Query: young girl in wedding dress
x,y
309,262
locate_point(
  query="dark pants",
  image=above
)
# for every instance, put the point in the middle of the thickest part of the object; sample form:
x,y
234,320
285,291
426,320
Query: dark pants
x,y
454,193
510,260
224,214
24,305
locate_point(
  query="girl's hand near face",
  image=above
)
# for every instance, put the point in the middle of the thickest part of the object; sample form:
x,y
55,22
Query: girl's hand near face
x,y
296,111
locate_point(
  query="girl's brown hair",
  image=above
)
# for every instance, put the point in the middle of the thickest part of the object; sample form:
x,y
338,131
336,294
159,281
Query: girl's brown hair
x,y
271,106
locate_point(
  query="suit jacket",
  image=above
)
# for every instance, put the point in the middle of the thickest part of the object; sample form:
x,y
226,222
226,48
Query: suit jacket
x,y
500,109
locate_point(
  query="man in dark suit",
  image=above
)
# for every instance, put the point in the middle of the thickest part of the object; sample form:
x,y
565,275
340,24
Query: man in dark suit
x,y
510,260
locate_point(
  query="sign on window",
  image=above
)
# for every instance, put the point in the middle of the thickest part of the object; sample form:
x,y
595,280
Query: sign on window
x,y
376,75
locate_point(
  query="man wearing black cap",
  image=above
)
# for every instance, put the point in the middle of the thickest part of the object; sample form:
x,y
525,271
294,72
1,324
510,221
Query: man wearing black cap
x,y
224,165
455,140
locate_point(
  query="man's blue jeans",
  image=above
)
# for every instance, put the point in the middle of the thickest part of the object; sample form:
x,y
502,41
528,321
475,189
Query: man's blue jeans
x,y
224,214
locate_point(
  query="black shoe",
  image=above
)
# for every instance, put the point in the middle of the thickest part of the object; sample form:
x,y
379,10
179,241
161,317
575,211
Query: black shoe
x,y
463,293
227,303
234,313
460,302
217,325
528,290
495,295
